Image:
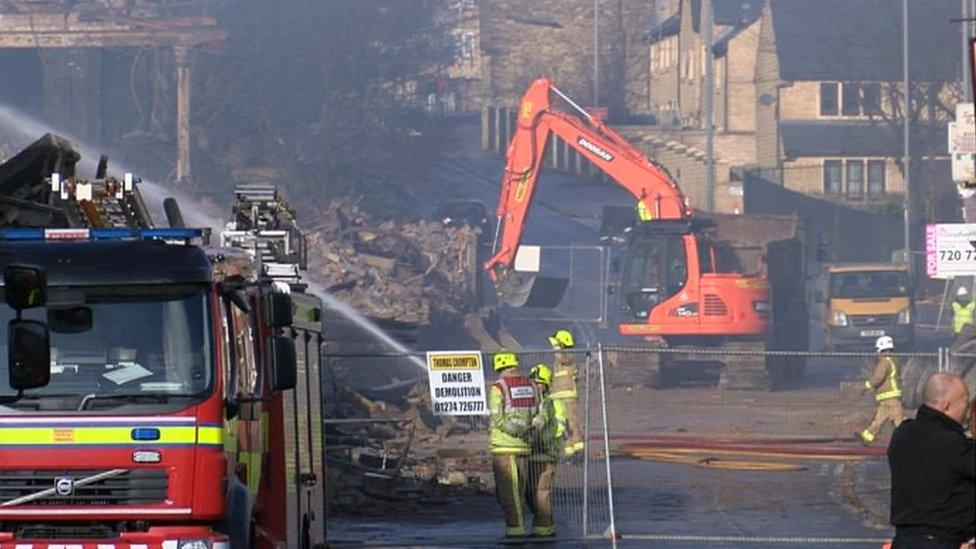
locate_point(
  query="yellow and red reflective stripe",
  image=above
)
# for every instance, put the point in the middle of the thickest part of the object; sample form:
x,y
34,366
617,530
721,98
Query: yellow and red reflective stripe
x,y
116,435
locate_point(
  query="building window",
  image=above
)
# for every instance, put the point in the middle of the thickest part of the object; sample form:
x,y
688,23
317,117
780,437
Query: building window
x,y
855,178
850,99
465,43
851,96
876,177
828,99
831,177
871,98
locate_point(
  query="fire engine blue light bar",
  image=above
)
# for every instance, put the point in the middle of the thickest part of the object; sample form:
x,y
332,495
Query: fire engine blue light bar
x,y
171,233
22,234
99,234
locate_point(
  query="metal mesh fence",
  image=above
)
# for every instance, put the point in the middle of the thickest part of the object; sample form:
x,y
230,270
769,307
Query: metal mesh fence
x,y
694,462
384,444
672,453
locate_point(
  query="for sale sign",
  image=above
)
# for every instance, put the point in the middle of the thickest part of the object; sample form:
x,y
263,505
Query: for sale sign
x,y
457,383
950,249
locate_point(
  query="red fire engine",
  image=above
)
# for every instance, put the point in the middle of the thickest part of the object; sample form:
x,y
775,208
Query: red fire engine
x,y
154,391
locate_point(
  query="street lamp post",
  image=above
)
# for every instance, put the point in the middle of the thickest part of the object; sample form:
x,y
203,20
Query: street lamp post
x,y
906,136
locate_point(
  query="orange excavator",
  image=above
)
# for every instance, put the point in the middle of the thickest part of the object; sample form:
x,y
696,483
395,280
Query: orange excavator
x,y
679,284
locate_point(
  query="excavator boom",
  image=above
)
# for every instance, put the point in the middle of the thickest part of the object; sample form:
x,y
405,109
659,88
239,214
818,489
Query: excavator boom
x,y
646,180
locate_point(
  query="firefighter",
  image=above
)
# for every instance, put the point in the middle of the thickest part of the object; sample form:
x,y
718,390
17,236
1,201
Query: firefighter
x,y
886,384
565,374
962,311
513,406
547,447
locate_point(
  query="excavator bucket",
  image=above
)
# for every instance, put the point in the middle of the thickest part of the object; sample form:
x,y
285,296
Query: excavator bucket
x,y
527,290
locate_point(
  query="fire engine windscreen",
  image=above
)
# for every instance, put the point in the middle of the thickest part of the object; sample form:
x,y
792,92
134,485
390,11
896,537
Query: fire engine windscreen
x,y
124,346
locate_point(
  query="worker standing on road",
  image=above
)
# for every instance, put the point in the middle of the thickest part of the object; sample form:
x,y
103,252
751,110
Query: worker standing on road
x,y
513,406
565,375
886,384
962,311
547,447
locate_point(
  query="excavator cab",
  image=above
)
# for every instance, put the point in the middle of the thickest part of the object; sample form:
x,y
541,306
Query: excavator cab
x,y
655,268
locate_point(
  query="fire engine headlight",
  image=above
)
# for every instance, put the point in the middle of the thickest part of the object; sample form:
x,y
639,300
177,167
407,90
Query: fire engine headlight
x,y
761,307
840,319
194,544
905,316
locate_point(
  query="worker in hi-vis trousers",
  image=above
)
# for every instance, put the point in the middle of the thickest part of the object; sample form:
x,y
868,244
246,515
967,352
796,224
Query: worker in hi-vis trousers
x,y
564,376
885,383
513,407
547,448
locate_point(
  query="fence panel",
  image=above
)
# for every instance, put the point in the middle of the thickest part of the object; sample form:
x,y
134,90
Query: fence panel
x,y
692,462
404,454
587,270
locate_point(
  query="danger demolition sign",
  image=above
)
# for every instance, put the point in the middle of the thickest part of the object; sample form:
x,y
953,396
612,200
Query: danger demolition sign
x,y
457,383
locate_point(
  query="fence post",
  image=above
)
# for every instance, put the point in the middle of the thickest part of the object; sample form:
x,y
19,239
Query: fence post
x,y
586,445
606,444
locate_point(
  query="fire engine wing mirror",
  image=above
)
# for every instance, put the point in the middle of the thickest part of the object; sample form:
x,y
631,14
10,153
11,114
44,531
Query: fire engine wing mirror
x,y
283,363
277,310
28,354
24,286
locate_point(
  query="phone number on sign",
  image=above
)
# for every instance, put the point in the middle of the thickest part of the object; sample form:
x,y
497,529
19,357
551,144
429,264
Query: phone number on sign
x,y
957,255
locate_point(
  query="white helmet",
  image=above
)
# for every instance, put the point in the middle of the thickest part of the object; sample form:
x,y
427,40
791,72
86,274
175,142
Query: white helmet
x,y
884,343
962,292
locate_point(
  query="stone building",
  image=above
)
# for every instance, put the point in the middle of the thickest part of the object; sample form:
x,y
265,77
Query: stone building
x,y
830,100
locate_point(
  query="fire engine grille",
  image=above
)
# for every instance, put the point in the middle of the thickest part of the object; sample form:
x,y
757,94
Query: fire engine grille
x,y
872,320
140,486
715,306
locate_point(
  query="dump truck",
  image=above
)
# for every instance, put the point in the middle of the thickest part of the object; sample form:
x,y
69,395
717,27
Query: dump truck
x,y
156,391
688,279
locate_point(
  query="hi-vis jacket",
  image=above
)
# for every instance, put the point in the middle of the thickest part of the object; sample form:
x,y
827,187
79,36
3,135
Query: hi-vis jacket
x,y
513,403
564,374
962,315
884,379
548,441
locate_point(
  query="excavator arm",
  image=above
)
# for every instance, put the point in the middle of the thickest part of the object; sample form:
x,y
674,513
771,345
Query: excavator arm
x,y
646,180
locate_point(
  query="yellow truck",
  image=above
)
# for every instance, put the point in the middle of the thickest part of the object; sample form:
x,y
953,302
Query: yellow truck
x,y
864,301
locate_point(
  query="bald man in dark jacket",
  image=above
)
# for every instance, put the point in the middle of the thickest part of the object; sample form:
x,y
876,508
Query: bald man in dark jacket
x,y
933,465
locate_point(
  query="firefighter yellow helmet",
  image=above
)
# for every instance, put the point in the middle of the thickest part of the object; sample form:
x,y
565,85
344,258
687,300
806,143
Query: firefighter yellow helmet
x,y
540,373
504,360
562,338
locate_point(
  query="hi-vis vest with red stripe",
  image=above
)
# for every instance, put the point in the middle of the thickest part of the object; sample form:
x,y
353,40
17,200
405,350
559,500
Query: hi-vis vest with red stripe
x,y
513,403
520,394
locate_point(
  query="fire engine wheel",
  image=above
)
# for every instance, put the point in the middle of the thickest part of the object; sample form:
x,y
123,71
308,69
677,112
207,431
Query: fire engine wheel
x,y
237,524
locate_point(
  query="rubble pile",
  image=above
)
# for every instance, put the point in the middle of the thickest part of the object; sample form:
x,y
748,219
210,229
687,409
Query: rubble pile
x,y
401,457
393,270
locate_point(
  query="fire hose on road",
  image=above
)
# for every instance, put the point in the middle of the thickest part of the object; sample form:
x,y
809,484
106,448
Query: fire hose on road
x,y
700,451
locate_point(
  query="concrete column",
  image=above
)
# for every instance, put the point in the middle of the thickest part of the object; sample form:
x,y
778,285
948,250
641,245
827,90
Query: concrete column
x,y
485,130
497,129
181,56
